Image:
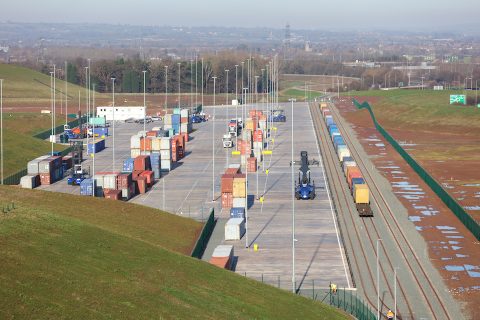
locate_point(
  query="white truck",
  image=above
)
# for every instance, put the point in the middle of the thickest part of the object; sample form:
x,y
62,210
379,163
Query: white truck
x,y
227,141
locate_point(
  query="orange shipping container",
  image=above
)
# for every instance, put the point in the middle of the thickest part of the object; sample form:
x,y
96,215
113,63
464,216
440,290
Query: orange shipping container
x,y
152,133
227,183
353,172
146,144
149,176
141,185
221,262
252,164
232,171
258,136
112,194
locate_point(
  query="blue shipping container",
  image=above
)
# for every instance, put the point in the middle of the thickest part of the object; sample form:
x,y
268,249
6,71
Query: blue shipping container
x,y
357,181
175,119
100,131
128,165
338,140
97,146
237,213
86,187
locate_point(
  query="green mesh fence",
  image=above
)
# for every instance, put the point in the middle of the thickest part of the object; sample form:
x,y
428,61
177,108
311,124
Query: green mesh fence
x,y
202,241
450,202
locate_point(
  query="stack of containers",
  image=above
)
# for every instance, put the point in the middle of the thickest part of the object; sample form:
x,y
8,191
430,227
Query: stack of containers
x,y
227,185
155,162
258,143
234,229
222,256
141,164
135,146
178,147
96,145
185,121
125,185
239,191
145,146
51,170
32,179
67,162
172,121
165,154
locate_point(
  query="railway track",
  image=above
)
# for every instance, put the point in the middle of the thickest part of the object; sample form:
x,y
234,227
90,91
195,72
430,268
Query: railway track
x,y
415,287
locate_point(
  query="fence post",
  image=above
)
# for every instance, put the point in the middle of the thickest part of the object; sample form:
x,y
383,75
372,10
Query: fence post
x,y
279,282
344,306
262,277
313,289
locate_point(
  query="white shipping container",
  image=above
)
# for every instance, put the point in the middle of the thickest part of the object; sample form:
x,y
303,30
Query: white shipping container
x,y
28,182
165,144
223,251
234,166
135,142
32,166
167,119
184,113
142,133
167,127
234,229
239,202
110,181
134,153
98,180
343,152
243,159
347,164
258,145
165,165
156,129
156,143
145,153
165,154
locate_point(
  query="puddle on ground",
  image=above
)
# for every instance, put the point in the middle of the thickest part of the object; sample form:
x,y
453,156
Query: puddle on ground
x,y
471,185
472,208
414,218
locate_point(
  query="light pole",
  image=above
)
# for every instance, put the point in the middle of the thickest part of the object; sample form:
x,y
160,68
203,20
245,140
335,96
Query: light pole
x,y
213,142
166,88
113,124
95,150
51,105
293,209
86,98
54,96
422,81
179,98
191,83
66,93
202,84
243,86
476,92
228,120
378,282
236,105
1,126
144,104
395,291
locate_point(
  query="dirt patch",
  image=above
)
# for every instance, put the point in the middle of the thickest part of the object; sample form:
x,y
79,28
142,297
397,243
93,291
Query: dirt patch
x,y
453,250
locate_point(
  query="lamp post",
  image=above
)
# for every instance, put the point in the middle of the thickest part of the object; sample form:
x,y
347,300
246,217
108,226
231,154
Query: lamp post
x,y
144,105
476,92
213,142
1,128
113,123
378,281
166,88
202,84
94,148
179,98
51,105
66,93
395,291
236,105
191,82
226,106
293,209
86,100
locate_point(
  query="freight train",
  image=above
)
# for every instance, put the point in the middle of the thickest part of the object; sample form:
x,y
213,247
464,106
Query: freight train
x,y
357,184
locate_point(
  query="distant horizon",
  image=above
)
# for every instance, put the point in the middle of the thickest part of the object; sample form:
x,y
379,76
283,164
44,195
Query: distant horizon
x,y
351,15
465,29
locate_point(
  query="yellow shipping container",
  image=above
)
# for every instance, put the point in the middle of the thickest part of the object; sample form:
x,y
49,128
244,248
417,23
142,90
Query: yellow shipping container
x,y
361,193
239,190
156,143
323,105
249,124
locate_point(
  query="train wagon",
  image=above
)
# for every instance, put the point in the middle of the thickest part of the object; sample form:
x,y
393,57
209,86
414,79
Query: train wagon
x,y
361,197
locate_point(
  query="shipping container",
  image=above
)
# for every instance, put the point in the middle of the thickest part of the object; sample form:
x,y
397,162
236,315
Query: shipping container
x,y
86,187
338,140
237,212
227,200
239,187
141,185
222,256
124,180
357,181
30,181
239,202
342,151
142,163
128,165
227,183
135,142
110,181
33,166
361,193
96,146
234,229
112,194
353,172
252,164
150,179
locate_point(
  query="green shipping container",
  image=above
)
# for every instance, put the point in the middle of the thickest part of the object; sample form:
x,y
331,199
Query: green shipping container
x,y
98,121
176,111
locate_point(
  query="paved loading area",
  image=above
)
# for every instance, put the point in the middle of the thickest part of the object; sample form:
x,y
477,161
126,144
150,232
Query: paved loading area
x,y
319,257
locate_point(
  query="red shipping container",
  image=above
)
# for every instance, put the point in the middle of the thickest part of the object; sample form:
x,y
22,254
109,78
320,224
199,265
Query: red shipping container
x,y
141,185
227,183
136,174
232,171
185,136
184,120
112,194
240,175
142,163
152,133
258,136
68,161
227,200
353,174
149,176
45,178
221,262
124,180
146,144
252,164
252,113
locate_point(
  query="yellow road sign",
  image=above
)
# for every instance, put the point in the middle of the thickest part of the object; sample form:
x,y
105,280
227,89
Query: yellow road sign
x,y
273,140
235,153
267,171
261,199
265,152
274,128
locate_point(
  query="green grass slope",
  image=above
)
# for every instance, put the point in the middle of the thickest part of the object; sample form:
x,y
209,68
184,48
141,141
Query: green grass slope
x,y
67,257
23,85
422,109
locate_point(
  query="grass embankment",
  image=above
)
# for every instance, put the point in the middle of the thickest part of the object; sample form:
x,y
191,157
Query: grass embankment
x,y
425,110
73,257
299,94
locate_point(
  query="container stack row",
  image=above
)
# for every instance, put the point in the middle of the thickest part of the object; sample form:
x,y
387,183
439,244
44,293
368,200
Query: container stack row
x,y
45,170
357,184
179,121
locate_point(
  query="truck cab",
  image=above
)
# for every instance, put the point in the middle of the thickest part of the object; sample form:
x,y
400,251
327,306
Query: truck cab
x,y
227,141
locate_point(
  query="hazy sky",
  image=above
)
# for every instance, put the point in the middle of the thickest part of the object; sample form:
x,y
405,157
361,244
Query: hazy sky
x,y
430,15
